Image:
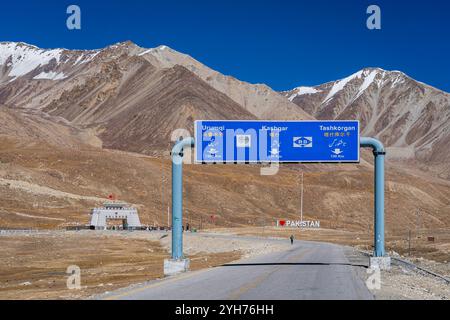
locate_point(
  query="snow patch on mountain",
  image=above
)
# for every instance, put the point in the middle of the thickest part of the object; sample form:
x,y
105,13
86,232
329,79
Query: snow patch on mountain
x,y
86,57
50,76
154,50
302,91
398,80
145,52
367,82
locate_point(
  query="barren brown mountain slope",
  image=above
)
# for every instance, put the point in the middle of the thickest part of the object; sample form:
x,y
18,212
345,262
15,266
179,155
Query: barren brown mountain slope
x,y
44,186
258,99
140,111
410,117
27,126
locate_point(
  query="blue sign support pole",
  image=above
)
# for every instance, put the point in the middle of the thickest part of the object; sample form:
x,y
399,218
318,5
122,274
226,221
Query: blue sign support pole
x,y
379,153
177,197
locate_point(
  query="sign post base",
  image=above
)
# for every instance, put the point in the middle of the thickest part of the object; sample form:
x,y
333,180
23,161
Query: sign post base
x,y
173,267
382,263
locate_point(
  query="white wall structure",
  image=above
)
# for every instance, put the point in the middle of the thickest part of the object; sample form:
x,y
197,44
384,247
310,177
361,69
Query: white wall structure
x,y
114,211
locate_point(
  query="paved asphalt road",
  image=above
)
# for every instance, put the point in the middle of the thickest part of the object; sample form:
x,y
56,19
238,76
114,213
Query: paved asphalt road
x,y
308,270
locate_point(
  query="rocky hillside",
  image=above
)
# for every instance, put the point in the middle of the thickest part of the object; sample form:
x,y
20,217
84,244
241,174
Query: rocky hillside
x,y
409,116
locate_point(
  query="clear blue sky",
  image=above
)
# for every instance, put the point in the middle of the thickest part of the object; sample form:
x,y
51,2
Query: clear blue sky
x,y
281,43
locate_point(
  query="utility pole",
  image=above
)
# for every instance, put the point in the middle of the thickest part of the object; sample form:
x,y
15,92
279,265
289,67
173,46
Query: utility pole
x,y
262,221
337,219
417,222
301,200
264,224
409,242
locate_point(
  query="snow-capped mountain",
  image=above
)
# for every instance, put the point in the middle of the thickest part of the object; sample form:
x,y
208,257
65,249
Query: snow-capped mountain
x,y
409,116
134,97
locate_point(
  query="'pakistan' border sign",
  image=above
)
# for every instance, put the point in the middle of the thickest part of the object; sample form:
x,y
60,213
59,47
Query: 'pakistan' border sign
x,y
298,224
276,141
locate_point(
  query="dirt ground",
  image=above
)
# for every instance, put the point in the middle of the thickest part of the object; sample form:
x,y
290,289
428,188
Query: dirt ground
x,y
34,265
400,283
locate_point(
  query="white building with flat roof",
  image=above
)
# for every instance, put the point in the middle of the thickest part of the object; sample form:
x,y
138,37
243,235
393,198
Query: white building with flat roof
x,y
115,211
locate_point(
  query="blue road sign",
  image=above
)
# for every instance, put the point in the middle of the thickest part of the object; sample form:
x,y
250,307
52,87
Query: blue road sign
x,y
276,141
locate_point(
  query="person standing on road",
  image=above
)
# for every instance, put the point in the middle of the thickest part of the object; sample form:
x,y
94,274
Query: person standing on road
x,y
292,239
